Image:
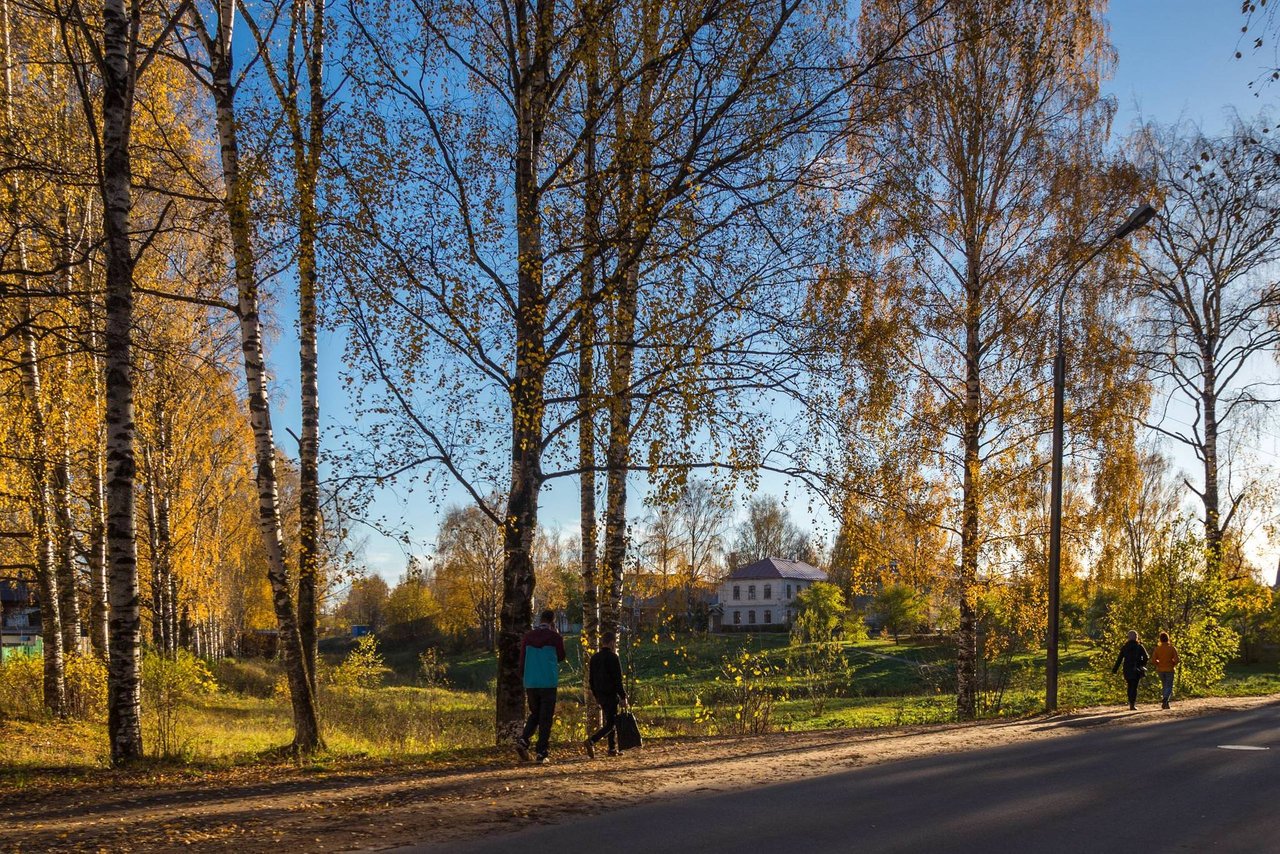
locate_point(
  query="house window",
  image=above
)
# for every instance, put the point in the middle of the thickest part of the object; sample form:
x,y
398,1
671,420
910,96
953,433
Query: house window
x,y
751,591
737,618
788,592
751,617
737,592
768,616
768,591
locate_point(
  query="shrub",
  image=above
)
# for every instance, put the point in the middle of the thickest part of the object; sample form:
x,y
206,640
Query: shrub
x,y
168,682
22,687
1178,596
821,671
900,609
854,628
432,669
743,684
362,668
86,677
1011,622
821,607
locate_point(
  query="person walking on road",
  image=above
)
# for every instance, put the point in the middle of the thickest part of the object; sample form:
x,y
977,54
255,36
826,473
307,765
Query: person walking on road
x,y
541,651
1133,656
605,679
1165,658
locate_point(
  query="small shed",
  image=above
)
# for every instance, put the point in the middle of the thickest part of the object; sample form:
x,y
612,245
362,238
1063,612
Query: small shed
x,y
19,620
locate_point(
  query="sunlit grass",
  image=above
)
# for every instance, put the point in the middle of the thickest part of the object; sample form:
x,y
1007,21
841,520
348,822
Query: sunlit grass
x,y
224,728
676,694
52,744
227,726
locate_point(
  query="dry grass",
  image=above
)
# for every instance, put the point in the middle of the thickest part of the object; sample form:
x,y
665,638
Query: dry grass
x,y
250,719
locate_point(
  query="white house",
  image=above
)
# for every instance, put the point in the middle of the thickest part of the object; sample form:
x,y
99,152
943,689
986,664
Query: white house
x,y
761,596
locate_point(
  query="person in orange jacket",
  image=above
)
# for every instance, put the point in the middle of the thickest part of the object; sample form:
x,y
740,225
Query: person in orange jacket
x,y
1165,658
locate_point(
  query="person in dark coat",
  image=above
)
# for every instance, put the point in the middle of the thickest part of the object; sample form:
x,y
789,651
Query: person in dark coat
x,y
605,678
1133,656
541,651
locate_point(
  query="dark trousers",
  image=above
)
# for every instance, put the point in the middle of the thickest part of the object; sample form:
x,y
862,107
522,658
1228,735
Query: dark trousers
x,y
542,709
608,705
1133,688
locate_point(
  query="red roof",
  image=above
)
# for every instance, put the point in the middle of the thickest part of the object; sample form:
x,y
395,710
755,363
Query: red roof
x,y
776,567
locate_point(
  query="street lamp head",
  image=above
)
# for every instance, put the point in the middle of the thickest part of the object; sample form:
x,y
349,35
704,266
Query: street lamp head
x,y
1140,217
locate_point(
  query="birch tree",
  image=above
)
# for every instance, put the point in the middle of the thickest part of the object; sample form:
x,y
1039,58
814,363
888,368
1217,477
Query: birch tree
x,y
988,168
33,397
695,124
107,64
212,58
296,80
1212,300
468,578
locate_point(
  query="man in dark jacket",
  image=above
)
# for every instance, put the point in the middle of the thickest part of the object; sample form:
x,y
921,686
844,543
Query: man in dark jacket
x,y
605,678
1134,658
541,651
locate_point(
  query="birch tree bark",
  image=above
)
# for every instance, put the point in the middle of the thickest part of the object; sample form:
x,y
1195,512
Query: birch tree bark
x,y
97,533
533,43
588,523
53,627
298,84
68,588
633,158
125,625
306,158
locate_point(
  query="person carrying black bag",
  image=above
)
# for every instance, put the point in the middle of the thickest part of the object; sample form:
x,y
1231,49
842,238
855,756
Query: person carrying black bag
x,y
605,679
1134,658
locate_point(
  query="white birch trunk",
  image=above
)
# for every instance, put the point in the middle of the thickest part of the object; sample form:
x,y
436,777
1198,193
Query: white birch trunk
x,y
125,625
41,521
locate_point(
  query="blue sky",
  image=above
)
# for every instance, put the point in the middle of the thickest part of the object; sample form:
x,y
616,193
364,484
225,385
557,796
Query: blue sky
x,y
1176,61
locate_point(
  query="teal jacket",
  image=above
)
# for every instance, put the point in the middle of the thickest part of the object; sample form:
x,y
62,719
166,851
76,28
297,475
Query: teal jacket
x,y
541,651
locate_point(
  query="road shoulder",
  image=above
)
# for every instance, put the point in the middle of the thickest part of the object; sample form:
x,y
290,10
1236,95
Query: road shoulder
x,y
373,810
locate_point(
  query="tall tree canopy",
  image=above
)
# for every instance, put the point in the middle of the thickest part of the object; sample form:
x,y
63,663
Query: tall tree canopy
x,y
989,176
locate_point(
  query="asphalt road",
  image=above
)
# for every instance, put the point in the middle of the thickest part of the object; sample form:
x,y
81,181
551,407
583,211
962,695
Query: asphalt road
x,y
1164,787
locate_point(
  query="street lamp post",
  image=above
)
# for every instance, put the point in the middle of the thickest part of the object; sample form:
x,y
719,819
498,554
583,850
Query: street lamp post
x,y
1140,217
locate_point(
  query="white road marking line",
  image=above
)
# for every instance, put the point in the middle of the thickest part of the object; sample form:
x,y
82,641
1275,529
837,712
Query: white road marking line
x,y
1241,747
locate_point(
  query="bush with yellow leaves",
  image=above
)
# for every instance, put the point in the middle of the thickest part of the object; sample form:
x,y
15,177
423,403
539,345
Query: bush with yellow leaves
x,y
169,682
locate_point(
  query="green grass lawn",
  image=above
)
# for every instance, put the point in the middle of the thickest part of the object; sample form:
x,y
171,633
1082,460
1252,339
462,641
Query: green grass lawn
x,y
673,680
680,686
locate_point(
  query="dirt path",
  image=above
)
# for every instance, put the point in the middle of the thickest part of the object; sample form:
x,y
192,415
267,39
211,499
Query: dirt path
x,y
373,809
